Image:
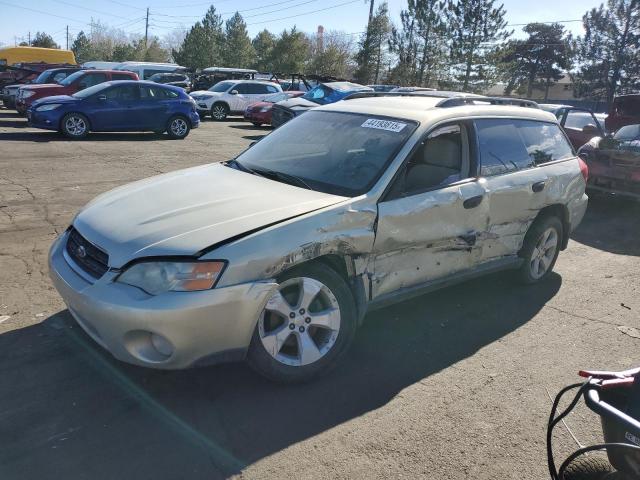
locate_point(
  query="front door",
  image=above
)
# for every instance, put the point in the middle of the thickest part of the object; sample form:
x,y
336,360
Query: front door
x,y
430,224
580,126
115,108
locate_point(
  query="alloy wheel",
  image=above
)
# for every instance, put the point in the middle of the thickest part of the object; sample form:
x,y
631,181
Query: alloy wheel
x,y
179,127
75,125
219,112
300,322
544,253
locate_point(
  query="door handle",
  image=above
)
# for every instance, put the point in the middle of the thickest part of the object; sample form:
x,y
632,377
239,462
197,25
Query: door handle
x,y
472,202
538,186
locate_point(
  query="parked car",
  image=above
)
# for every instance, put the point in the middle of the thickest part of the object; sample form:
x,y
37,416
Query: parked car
x,y
232,97
625,110
614,162
580,124
145,70
276,256
181,80
382,88
323,94
411,89
73,83
53,75
259,113
118,106
210,76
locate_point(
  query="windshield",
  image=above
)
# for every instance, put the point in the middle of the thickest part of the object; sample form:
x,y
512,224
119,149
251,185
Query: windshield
x,y
43,77
276,97
71,78
630,132
222,86
333,152
322,95
87,92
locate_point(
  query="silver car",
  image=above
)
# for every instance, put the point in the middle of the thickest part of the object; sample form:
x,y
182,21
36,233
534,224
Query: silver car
x,y
276,256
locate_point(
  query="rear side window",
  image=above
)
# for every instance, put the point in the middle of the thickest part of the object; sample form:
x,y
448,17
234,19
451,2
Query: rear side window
x,y
243,88
155,93
121,76
501,147
511,145
93,79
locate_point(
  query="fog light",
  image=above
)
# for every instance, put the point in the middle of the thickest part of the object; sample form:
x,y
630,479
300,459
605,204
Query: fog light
x,y
161,344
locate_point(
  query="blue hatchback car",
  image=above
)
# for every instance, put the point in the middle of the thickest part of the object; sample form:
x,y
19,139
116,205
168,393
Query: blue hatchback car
x,y
118,106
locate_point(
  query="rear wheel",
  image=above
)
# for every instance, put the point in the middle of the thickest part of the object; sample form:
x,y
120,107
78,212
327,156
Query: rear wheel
x,y
75,125
540,249
219,111
178,127
306,326
588,468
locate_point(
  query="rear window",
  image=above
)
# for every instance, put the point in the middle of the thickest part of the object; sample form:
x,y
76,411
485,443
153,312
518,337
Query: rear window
x,y
510,145
121,76
627,106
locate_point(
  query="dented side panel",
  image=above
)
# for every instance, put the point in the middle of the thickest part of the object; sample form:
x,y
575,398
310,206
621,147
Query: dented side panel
x,y
427,236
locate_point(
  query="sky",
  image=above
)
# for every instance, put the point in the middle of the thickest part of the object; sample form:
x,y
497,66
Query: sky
x,y
19,17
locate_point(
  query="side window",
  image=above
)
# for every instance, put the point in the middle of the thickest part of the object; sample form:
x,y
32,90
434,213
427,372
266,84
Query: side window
x,y
271,89
577,120
121,93
147,73
120,76
242,88
258,89
59,77
92,79
501,147
154,93
545,142
443,158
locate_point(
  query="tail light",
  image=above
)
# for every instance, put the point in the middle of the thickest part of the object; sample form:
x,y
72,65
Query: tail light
x,y
584,169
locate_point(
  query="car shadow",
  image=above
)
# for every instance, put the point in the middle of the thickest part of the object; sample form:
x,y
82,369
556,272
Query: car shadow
x,y
252,127
254,138
13,123
612,224
70,410
50,136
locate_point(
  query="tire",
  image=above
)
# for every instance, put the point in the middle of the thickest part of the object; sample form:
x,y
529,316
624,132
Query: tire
x,y
256,124
219,111
178,127
538,264
291,345
74,126
588,468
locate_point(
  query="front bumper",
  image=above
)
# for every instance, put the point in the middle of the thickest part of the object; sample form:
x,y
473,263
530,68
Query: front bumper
x,y
202,327
49,120
257,116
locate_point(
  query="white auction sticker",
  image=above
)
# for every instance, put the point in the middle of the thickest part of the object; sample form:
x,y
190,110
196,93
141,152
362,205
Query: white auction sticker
x,y
384,125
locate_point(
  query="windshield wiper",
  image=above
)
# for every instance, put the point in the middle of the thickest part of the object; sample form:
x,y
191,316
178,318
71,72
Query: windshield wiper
x,y
283,177
233,163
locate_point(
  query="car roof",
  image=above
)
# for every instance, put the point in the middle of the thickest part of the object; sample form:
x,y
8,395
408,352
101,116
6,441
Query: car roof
x,y
423,108
266,82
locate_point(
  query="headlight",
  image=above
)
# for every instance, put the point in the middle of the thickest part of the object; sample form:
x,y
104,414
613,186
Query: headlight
x,y
158,277
46,108
27,94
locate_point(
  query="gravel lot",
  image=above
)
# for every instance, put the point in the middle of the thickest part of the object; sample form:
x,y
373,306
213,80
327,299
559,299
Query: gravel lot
x,y
449,386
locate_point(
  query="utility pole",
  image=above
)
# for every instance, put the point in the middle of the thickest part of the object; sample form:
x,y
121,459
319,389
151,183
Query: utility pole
x,y
67,37
146,29
29,37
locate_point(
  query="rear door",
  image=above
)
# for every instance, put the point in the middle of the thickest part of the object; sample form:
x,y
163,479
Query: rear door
x,y
513,161
429,223
152,110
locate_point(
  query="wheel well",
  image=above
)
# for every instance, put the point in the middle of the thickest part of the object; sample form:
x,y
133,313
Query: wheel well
x,y
562,212
220,102
180,115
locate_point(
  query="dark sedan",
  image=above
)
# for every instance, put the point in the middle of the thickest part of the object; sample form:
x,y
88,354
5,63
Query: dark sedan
x,y
117,106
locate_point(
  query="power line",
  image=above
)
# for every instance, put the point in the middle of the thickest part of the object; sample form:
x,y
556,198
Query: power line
x,y
303,14
232,12
89,9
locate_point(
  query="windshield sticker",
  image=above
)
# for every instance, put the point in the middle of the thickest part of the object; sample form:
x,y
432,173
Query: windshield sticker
x,y
384,125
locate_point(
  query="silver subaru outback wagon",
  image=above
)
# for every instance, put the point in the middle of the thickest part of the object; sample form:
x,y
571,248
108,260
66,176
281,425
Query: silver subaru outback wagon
x,y
276,255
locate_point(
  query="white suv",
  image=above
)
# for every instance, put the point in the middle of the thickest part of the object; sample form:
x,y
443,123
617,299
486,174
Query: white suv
x,y
232,97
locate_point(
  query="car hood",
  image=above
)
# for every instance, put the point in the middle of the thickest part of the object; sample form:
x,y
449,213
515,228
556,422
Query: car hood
x,y
184,212
43,86
298,104
55,99
205,93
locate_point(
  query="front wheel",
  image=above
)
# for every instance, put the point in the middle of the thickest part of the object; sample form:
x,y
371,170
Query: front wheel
x,y
588,468
75,126
219,111
305,327
540,249
178,128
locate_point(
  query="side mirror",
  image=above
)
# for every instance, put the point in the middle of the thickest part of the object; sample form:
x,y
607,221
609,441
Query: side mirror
x,y
102,98
590,129
234,92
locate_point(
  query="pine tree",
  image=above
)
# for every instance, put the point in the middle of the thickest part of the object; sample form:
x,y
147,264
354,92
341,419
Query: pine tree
x,y
82,48
44,40
238,51
475,26
371,51
610,50
202,46
263,44
290,52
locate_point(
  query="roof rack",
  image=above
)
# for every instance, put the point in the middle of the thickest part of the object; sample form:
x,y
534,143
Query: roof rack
x,y
450,99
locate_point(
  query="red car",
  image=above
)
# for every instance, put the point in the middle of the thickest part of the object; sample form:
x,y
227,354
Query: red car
x,y
625,110
73,83
259,113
